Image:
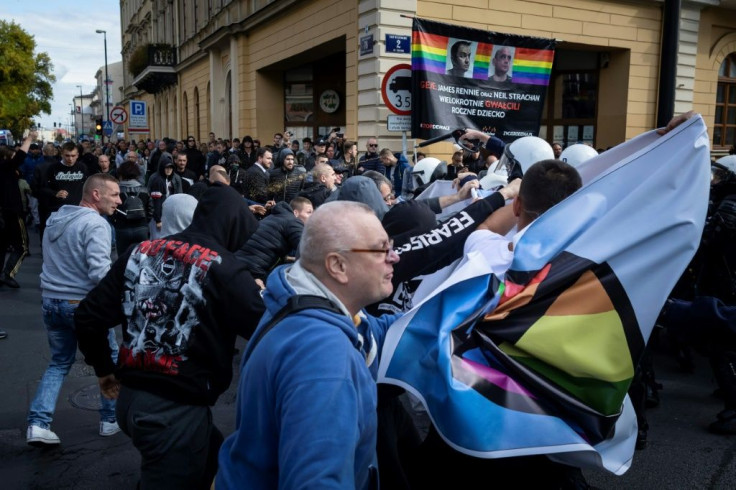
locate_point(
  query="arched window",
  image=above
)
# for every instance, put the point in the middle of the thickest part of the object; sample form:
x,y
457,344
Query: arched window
x,y
724,129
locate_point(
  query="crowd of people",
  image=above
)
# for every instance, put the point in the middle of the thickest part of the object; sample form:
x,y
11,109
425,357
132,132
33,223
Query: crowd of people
x,y
307,250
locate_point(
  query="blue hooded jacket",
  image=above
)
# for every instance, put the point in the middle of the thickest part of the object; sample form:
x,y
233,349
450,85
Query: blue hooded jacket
x,y
306,414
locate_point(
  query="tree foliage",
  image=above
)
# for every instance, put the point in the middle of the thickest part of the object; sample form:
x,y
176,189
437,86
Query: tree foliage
x,y
25,79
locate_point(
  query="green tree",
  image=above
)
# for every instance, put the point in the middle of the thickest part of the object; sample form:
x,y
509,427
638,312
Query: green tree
x,y
25,79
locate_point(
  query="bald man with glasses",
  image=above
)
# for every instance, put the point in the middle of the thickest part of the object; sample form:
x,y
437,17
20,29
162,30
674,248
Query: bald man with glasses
x,y
371,160
307,394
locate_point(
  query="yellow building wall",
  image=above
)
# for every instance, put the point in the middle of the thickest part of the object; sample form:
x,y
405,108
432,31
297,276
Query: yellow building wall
x,y
194,76
308,25
716,40
619,27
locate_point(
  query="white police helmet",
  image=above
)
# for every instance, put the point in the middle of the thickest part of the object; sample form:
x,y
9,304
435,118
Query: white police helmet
x,y
729,161
523,152
577,154
428,170
491,181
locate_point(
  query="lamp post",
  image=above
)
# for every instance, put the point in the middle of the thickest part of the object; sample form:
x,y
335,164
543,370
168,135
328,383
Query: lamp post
x,y
106,113
81,110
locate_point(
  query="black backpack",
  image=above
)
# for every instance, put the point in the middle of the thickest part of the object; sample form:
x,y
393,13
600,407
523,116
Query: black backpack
x,y
132,208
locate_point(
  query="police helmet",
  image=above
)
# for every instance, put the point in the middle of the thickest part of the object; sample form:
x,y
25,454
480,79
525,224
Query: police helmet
x,y
577,154
428,170
521,154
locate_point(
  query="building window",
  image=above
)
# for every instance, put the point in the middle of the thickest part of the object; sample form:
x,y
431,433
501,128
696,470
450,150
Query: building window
x,y
569,114
724,129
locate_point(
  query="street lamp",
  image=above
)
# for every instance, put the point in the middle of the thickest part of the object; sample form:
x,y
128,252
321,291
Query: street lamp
x,y
81,110
106,113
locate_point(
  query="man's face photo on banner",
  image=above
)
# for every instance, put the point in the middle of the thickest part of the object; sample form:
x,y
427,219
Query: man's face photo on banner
x,y
461,54
502,63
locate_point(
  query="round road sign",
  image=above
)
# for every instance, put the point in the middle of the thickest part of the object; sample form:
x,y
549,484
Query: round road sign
x,y
396,89
118,115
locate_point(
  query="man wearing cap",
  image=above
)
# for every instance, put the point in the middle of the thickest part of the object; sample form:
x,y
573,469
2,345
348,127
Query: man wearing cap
x,y
319,147
161,185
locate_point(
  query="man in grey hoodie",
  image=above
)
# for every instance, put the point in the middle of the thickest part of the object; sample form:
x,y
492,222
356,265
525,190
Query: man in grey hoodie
x,y
77,245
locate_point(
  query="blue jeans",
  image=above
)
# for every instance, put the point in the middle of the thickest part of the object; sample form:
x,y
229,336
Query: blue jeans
x,y
58,316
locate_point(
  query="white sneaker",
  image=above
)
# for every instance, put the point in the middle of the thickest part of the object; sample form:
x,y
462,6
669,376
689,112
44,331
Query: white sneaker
x,y
38,436
108,428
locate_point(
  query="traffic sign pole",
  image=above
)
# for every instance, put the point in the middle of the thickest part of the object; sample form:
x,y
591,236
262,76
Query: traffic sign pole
x,y
396,94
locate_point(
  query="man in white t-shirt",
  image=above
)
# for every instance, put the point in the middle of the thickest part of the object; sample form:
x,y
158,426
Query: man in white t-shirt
x,y
545,184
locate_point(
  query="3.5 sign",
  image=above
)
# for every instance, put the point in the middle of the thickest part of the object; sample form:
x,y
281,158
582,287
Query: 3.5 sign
x,y
396,89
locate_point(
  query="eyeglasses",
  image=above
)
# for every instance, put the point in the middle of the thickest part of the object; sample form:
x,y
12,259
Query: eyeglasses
x,y
373,144
389,198
386,252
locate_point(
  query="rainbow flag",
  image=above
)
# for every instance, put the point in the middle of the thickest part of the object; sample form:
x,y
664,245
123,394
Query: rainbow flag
x,y
482,61
428,52
537,359
533,66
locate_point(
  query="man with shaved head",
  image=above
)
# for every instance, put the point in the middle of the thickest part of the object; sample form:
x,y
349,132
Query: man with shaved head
x,y
307,395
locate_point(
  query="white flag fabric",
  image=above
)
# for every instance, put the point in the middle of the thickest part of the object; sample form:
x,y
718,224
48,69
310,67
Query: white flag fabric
x,y
540,362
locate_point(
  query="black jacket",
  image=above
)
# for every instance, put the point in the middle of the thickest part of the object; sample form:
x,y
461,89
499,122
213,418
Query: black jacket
x,y
195,161
286,185
176,298
256,185
424,253
157,185
61,177
277,236
316,192
9,176
129,188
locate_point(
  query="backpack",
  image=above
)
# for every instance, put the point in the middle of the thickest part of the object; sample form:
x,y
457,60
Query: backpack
x,y
132,208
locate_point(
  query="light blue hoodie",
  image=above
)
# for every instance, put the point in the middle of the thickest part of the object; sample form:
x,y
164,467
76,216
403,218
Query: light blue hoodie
x,y
76,252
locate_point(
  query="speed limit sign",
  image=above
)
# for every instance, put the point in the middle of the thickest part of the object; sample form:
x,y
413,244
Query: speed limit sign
x,y
396,89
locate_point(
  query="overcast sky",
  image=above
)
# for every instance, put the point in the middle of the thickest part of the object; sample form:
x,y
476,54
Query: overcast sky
x,y
66,31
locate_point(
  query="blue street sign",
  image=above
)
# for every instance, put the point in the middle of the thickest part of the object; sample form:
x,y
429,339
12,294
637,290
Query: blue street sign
x,y
107,128
398,44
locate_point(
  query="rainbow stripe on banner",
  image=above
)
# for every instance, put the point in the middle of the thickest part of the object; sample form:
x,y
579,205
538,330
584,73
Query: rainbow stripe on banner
x,y
428,52
533,66
482,60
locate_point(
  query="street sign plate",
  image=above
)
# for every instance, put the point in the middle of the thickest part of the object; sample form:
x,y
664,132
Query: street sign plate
x,y
118,115
107,128
398,44
396,89
398,123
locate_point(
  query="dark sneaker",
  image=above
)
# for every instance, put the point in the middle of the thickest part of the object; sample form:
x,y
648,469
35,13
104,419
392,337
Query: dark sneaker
x,y
641,440
9,281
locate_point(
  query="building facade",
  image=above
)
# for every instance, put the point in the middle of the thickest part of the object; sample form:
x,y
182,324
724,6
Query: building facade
x,y
239,67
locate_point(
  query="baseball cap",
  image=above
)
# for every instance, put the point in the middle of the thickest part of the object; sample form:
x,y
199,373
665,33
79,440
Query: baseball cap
x,y
34,146
320,142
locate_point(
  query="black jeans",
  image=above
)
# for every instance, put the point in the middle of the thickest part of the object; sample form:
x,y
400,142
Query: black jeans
x,y
178,443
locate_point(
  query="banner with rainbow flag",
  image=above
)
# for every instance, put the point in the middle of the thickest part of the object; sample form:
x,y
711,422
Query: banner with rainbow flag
x,y
537,358
463,77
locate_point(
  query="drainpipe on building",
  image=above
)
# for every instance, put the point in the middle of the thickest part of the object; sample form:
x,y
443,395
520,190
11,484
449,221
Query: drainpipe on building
x,y
668,61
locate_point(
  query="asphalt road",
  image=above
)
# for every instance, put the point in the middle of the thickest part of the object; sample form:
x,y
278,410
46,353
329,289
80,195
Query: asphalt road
x,y
681,454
